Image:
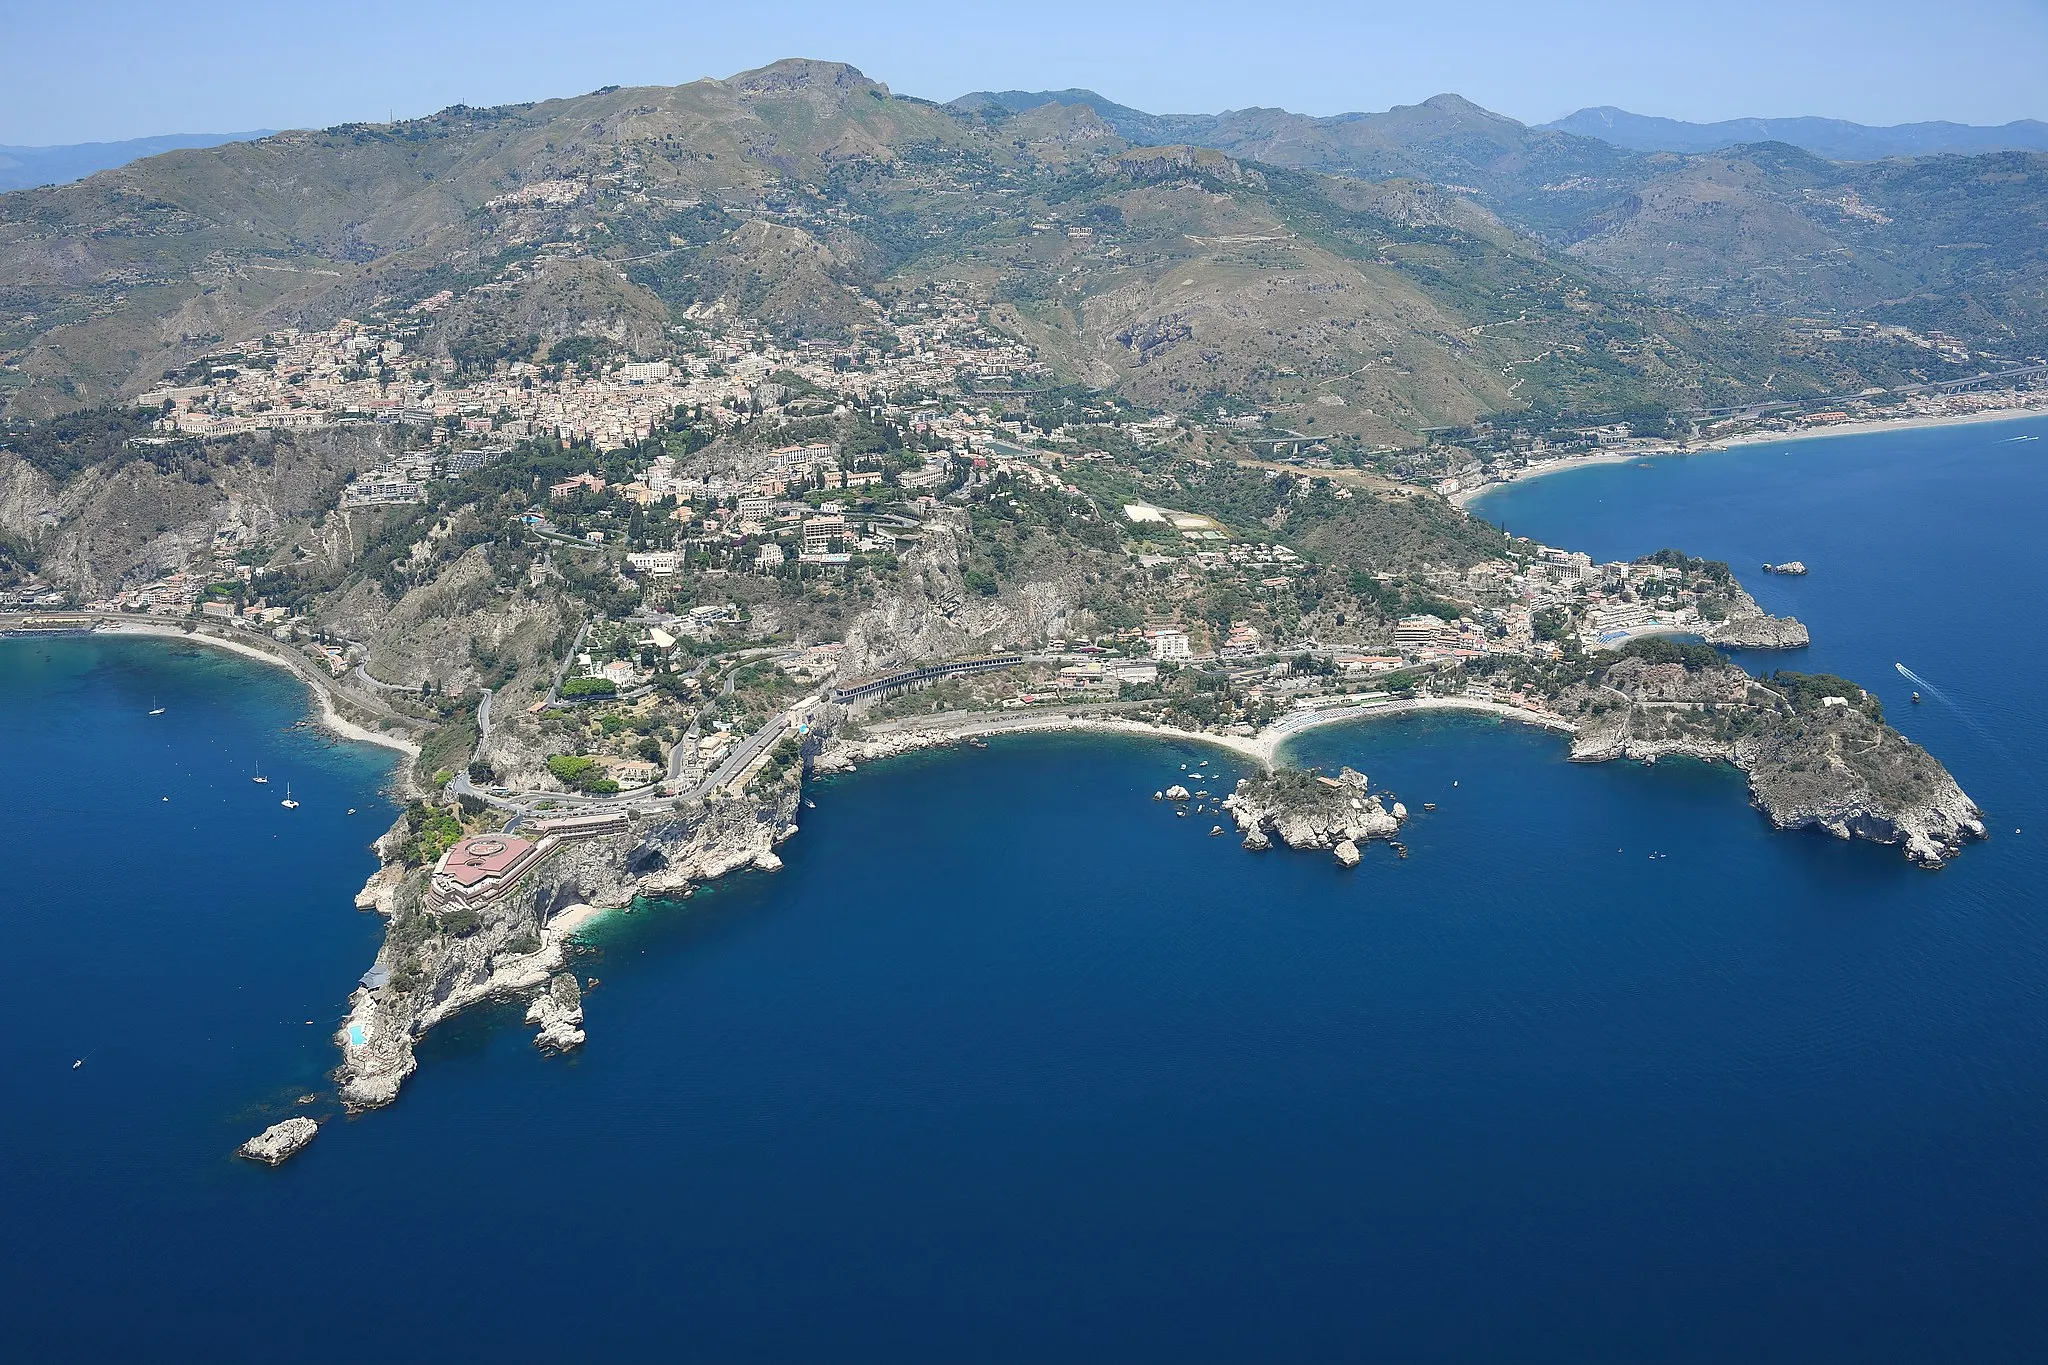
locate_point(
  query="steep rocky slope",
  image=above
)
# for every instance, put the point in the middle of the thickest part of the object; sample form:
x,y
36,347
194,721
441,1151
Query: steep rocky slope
x,y
1816,749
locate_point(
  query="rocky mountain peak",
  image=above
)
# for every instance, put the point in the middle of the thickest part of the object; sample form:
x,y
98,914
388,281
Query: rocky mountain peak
x,y
831,83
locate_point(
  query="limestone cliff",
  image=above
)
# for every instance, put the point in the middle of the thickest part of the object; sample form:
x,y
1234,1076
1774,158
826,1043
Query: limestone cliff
x,y
433,965
932,613
1816,749
1749,626
138,512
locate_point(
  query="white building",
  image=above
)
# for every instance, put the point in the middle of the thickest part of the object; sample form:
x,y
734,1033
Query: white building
x,y
657,562
1170,644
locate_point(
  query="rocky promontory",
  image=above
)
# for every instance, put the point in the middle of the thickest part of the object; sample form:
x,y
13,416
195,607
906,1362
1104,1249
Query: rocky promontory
x,y
1304,809
436,962
1749,626
1816,748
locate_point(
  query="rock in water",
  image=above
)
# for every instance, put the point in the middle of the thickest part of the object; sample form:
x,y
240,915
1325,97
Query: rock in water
x,y
1347,853
559,1012
280,1140
1178,793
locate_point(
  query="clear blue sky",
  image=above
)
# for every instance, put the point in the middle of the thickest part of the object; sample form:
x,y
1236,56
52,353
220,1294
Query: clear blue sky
x,y
107,69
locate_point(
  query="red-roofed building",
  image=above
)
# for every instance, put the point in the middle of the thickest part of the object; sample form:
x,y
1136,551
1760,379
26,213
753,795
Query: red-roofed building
x,y
475,869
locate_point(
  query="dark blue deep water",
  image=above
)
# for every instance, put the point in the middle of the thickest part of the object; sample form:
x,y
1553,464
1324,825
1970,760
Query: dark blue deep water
x,y
1009,1064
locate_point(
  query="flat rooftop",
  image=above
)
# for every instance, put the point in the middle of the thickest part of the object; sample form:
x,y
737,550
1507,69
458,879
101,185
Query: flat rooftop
x,y
482,856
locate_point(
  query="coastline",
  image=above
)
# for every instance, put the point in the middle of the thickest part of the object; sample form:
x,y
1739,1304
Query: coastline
x,y
328,715
1465,497
1263,748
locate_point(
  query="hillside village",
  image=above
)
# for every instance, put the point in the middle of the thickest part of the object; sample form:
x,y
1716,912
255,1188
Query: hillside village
x,y
664,477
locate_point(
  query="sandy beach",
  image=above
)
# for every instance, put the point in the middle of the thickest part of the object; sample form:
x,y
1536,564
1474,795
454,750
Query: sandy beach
x,y
1262,748
1465,497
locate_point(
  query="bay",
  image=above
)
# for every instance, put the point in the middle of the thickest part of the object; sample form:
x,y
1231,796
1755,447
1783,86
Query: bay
x,y
1009,1063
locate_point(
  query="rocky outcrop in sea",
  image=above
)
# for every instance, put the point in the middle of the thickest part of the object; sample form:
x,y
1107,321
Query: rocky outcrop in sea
x,y
280,1141
558,1010
1304,809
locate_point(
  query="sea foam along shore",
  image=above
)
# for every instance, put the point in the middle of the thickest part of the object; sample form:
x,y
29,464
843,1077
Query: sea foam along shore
x,y
1465,497
329,718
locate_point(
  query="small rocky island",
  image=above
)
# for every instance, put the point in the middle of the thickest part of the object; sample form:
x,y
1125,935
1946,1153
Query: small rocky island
x,y
281,1141
1302,808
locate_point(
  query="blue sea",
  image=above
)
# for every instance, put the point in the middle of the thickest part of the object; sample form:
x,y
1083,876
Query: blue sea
x,y
1010,1064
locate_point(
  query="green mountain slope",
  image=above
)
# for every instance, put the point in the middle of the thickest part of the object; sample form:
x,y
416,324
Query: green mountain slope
x,y
1370,276
1946,243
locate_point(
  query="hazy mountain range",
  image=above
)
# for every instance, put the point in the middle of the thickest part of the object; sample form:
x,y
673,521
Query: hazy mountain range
x,y
24,168
1833,138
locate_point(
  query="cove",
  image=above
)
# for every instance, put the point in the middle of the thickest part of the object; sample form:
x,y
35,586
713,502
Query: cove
x,y
1008,1063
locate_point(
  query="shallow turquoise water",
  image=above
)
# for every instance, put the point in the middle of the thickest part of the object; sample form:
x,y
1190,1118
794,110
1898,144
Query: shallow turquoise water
x,y
1009,1063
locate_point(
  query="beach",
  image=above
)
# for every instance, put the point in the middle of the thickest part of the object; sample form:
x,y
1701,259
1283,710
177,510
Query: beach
x,y
1262,748
1465,497
329,718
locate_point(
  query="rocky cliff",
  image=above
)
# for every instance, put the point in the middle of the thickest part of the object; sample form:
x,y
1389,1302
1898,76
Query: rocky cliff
x,y
931,612
1304,809
1816,749
134,513
1749,626
433,965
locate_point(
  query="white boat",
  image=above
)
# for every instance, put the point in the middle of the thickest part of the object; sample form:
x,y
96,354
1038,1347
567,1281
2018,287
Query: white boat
x,y
156,710
259,777
288,803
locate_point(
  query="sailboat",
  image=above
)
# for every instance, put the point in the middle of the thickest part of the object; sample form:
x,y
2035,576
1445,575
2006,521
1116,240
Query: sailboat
x,y
259,778
155,710
288,803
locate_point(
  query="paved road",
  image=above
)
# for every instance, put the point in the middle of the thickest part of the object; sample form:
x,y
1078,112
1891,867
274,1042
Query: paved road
x,y
363,673
736,762
562,673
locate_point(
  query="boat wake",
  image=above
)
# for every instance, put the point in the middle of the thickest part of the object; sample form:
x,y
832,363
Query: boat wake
x,y
1910,676
1991,741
